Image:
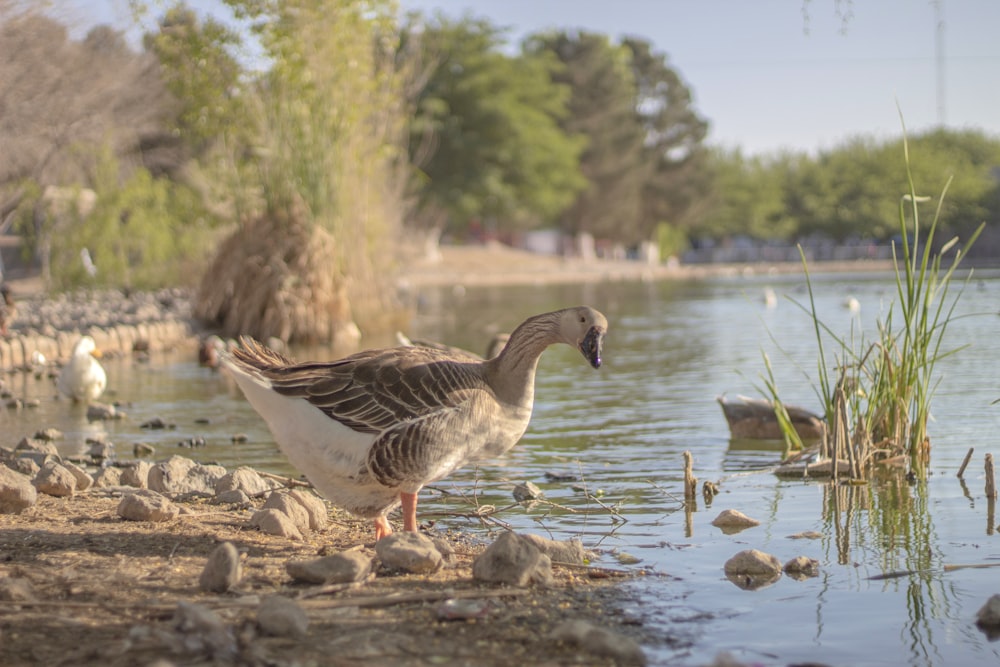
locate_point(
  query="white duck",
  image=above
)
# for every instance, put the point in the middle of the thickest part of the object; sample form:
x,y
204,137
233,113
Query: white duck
x,y
83,378
371,429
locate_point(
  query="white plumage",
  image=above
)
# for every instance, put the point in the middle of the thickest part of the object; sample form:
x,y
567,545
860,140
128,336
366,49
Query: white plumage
x,y
83,378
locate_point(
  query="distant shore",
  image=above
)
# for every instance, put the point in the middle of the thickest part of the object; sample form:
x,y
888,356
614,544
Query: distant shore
x,y
501,265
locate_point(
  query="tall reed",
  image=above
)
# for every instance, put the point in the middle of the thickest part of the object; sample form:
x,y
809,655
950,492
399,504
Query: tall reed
x,y
876,395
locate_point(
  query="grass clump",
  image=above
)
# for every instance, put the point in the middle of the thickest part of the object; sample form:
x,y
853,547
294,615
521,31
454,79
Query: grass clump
x,y
876,395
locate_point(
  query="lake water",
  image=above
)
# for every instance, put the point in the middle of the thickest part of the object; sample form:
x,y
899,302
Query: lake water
x,y
620,433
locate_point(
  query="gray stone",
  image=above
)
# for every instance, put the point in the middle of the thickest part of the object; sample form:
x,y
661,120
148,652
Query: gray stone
x,y
526,492
25,466
410,552
55,480
223,570
17,493
314,507
40,446
109,476
147,505
512,559
802,567
988,615
182,475
599,641
137,474
243,479
275,522
201,630
569,551
341,568
284,502
733,521
280,617
103,412
232,497
83,479
753,562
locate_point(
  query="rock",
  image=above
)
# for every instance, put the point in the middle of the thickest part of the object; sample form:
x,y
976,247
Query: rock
x,y
988,615
100,450
275,522
97,412
223,569
410,552
752,569
16,589
54,479
462,610
526,492
243,479
83,479
314,507
109,476
284,502
280,617
599,641
201,630
143,450
137,474
147,505
25,466
512,559
733,521
233,497
38,446
49,434
569,551
801,568
179,475
340,568
17,493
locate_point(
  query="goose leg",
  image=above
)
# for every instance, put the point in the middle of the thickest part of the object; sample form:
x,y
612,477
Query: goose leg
x,y
409,501
382,528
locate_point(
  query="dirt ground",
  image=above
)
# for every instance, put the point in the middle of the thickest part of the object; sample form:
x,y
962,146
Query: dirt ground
x,y
105,591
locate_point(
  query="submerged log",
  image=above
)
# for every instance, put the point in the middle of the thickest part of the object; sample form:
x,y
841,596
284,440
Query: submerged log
x,y
754,419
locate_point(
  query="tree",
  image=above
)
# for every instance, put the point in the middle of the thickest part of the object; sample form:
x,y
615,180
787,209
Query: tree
x,y
491,122
678,180
602,110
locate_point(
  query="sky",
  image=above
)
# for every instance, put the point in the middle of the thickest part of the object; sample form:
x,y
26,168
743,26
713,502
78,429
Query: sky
x,y
774,75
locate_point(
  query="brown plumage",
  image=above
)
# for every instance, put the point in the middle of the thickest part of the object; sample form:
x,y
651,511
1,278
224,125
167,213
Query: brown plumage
x,y
371,429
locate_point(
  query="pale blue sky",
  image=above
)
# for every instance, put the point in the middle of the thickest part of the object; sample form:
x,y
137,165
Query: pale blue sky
x,y
768,78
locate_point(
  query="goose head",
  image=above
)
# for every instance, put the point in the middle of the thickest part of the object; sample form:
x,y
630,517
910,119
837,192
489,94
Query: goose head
x,y
584,328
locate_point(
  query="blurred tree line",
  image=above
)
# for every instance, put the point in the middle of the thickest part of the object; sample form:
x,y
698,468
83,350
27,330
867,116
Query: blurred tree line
x,y
285,183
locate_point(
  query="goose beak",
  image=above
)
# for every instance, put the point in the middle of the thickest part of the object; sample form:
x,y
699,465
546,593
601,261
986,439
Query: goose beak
x,y
591,346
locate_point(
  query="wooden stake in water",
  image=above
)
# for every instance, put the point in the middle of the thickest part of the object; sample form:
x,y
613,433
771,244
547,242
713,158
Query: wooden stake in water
x,y
991,485
965,463
690,481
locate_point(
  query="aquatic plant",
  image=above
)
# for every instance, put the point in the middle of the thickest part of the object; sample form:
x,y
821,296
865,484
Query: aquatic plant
x,y
876,395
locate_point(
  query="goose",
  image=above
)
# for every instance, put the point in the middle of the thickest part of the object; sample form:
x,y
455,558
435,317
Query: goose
x,y
370,430
83,378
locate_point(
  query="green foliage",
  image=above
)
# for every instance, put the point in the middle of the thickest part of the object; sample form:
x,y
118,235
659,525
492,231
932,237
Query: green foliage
x,y
493,121
840,192
143,233
670,239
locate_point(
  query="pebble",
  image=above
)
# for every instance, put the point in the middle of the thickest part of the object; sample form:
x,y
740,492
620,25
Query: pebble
x,y
223,570
106,477
339,568
989,614
314,507
232,497
752,569
733,521
54,479
17,493
410,552
137,474
143,450
147,505
49,434
514,560
284,502
97,412
32,445
802,567
182,475
568,551
201,630
280,617
244,479
599,641
526,492
16,589
83,479
275,522
100,450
